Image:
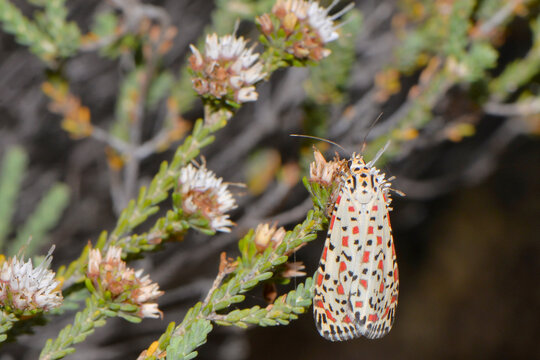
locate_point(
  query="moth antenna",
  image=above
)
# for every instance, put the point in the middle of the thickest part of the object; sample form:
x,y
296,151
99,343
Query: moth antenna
x,y
369,130
379,154
321,139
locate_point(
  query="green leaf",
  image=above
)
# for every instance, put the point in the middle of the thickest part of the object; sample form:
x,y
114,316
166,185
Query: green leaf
x,y
13,168
44,218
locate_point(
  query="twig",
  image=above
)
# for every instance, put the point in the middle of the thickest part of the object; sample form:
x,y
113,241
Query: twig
x,y
523,108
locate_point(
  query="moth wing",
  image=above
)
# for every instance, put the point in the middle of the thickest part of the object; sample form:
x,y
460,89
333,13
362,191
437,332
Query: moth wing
x,y
374,296
331,304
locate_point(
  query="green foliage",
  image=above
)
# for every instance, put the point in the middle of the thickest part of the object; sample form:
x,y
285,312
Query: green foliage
x,y
85,322
284,309
50,37
7,320
44,218
183,347
13,168
520,72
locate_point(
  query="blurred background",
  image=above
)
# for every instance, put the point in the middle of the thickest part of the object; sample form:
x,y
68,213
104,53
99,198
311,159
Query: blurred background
x,y
456,85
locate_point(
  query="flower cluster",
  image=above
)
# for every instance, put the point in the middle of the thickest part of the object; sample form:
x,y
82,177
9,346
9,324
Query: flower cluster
x,y
24,289
125,285
306,25
325,172
205,194
266,235
227,70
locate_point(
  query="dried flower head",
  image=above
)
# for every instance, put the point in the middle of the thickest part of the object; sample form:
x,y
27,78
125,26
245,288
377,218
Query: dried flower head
x,y
25,289
325,172
202,192
227,70
124,284
293,269
266,235
308,27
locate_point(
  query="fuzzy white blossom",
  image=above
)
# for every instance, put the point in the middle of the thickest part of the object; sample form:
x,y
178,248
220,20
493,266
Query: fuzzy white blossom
x,y
307,26
227,69
113,275
25,288
203,192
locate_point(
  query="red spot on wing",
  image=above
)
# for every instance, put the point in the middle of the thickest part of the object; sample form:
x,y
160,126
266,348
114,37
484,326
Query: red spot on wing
x,y
342,266
346,319
365,257
324,253
370,230
319,279
374,208
380,266
329,316
386,311
345,241
363,283
340,290
394,299
373,317
379,240
338,199
319,304
332,222
359,304
355,230
351,208
381,287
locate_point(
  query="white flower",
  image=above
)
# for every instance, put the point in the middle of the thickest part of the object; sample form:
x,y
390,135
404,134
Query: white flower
x,y
308,25
325,172
25,288
113,275
202,191
226,68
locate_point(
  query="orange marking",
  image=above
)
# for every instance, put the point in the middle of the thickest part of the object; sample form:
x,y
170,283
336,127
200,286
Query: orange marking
x,y
345,241
374,208
381,288
379,240
319,304
340,290
363,283
359,304
355,230
365,257
346,319
329,316
380,266
342,266
370,230
338,199
386,312
373,317
319,279
394,299
324,253
351,208
332,222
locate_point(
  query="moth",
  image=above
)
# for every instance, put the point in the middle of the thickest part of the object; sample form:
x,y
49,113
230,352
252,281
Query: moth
x,y
357,282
